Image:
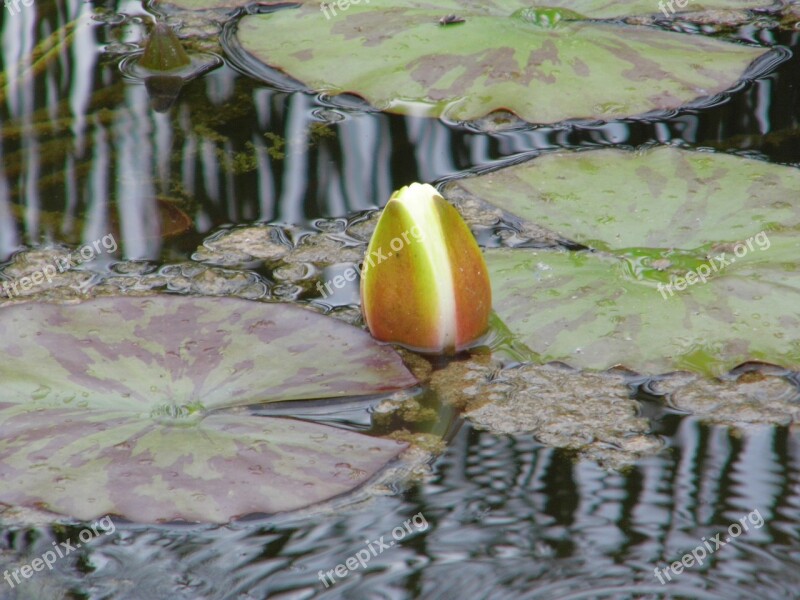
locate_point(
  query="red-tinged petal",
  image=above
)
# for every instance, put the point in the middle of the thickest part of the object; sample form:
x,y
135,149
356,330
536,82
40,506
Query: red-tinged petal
x,y
424,284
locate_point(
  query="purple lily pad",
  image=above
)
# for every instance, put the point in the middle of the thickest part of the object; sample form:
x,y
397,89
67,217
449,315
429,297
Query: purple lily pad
x,y
127,406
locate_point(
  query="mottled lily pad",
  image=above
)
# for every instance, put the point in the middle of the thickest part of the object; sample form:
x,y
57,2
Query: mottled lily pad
x,y
204,4
661,198
697,267
548,68
128,406
597,9
595,310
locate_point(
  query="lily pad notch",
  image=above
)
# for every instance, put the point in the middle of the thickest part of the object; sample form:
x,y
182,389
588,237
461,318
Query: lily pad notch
x,y
133,406
400,59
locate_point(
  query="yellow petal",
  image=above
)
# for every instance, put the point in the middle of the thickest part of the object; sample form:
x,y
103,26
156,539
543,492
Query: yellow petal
x,y
424,284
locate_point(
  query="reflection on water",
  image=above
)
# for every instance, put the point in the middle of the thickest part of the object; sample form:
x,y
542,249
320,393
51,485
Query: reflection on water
x,y
83,155
508,519
83,150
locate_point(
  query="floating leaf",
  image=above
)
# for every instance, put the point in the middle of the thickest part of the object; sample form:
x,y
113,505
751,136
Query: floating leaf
x,y
596,311
700,268
400,59
661,198
596,9
108,407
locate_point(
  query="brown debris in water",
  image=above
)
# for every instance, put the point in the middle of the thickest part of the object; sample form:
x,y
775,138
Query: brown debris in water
x,y
754,397
590,413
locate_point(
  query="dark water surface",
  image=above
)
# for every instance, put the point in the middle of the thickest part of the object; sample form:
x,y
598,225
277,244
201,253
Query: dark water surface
x,y
83,154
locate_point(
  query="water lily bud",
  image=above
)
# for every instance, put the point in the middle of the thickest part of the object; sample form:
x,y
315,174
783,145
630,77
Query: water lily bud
x,y
424,283
163,50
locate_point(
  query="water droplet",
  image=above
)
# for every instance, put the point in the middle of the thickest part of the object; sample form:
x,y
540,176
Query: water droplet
x,y
41,392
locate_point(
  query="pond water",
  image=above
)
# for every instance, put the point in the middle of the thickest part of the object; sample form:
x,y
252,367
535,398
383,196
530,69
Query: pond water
x,y
84,155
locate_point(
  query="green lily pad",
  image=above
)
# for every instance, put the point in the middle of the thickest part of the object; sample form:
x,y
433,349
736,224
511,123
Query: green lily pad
x,y
596,311
611,9
661,198
596,9
698,267
548,68
115,406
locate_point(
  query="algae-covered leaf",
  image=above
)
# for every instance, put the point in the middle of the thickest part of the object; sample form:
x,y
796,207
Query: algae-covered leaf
x,y
612,9
660,198
699,266
596,311
504,56
108,407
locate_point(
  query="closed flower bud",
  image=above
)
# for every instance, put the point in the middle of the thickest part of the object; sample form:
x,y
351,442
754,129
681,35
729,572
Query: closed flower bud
x,y
424,283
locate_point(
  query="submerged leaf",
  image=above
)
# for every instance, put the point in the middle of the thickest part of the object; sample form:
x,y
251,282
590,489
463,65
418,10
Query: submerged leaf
x,y
400,59
163,91
109,407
